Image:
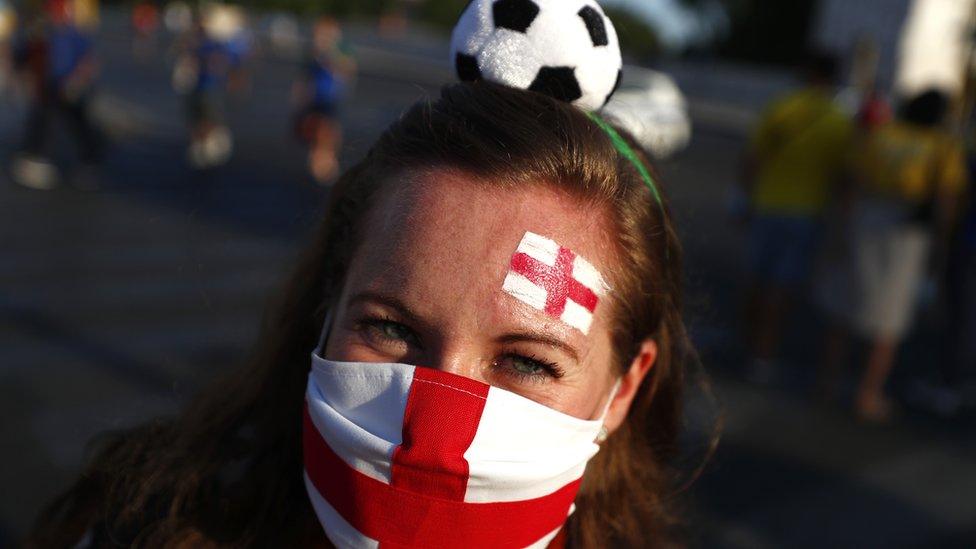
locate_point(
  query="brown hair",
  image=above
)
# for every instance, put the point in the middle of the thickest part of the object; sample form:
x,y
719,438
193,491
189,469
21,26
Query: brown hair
x,y
228,470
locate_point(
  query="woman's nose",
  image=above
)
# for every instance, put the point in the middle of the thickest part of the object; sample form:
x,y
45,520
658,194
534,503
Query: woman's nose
x,y
462,360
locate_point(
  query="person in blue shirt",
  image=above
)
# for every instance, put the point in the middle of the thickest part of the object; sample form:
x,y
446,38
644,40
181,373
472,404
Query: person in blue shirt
x,y
212,64
324,83
61,64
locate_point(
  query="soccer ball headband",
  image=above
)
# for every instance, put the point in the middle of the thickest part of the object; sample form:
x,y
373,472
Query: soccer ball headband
x,y
567,49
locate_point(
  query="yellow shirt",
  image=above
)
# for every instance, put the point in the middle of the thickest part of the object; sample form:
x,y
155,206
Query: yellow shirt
x,y
909,162
800,149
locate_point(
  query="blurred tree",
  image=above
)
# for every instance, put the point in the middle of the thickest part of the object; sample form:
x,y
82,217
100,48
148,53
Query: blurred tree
x,y
440,13
637,38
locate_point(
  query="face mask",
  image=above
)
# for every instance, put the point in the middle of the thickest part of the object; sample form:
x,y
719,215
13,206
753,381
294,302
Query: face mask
x,y
400,455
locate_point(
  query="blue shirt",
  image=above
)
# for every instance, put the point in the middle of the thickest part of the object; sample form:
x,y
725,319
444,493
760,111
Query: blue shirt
x,y
215,61
327,87
67,48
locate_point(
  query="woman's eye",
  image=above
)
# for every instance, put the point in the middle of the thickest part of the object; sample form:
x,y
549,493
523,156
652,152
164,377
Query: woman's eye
x,y
393,330
527,367
390,331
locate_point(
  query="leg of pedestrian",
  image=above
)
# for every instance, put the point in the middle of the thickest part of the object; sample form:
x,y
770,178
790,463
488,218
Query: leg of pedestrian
x,y
871,404
30,168
89,140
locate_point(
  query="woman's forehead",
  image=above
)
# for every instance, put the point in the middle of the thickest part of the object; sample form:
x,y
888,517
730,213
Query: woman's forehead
x,y
464,223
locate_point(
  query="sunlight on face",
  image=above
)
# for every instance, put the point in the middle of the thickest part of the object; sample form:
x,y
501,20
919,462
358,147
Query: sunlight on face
x,y
426,288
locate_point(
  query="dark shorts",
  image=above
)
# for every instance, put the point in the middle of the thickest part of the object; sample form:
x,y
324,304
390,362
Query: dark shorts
x,y
328,110
205,106
308,119
782,249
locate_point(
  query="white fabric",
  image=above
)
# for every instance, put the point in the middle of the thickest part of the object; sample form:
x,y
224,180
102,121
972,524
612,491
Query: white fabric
x,y
358,408
524,450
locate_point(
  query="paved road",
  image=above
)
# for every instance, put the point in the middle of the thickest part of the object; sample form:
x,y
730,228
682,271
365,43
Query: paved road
x,y
116,305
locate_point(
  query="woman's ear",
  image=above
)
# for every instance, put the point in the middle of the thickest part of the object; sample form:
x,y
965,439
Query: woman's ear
x,y
629,384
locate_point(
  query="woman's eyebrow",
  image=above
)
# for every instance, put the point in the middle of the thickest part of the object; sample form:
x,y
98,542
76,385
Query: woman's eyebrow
x,y
388,301
544,339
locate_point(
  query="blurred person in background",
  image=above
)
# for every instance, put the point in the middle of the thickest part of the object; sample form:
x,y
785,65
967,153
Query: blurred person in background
x,y
145,27
906,181
874,111
86,15
58,60
285,35
328,73
958,383
795,159
210,67
861,98
178,18
8,27
955,387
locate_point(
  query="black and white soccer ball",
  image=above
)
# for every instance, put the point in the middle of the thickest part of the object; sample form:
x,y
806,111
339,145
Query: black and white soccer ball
x,y
565,48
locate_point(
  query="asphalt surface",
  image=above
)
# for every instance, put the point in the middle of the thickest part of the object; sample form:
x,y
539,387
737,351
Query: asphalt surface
x,y
117,304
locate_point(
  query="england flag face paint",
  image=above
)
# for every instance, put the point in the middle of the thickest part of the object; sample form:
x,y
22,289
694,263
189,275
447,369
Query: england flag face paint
x,y
553,279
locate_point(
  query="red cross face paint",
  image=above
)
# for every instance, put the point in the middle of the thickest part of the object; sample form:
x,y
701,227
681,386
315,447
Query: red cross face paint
x,y
553,279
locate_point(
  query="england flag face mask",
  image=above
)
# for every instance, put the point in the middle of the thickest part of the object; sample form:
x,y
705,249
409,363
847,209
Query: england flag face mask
x,y
404,456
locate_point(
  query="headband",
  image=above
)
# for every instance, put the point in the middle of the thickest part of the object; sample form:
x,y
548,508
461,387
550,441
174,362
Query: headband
x,y
627,152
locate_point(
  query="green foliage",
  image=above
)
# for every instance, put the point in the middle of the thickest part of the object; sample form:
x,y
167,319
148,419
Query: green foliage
x,y
440,14
637,38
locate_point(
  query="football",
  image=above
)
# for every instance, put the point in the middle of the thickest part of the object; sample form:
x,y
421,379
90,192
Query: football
x,y
565,48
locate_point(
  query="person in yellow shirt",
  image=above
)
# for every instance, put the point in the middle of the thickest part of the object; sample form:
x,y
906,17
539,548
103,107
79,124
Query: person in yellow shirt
x,y
908,176
796,157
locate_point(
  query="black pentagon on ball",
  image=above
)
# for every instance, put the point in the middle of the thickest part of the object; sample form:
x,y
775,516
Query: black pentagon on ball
x,y
558,82
516,15
594,25
467,67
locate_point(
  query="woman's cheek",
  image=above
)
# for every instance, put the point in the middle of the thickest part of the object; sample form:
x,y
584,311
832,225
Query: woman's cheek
x,y
349,347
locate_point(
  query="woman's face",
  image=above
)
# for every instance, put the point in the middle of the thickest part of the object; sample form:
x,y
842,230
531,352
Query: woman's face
x,y
428,287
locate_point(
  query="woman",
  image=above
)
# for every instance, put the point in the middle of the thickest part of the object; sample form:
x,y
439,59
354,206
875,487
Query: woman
x,y
412,265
